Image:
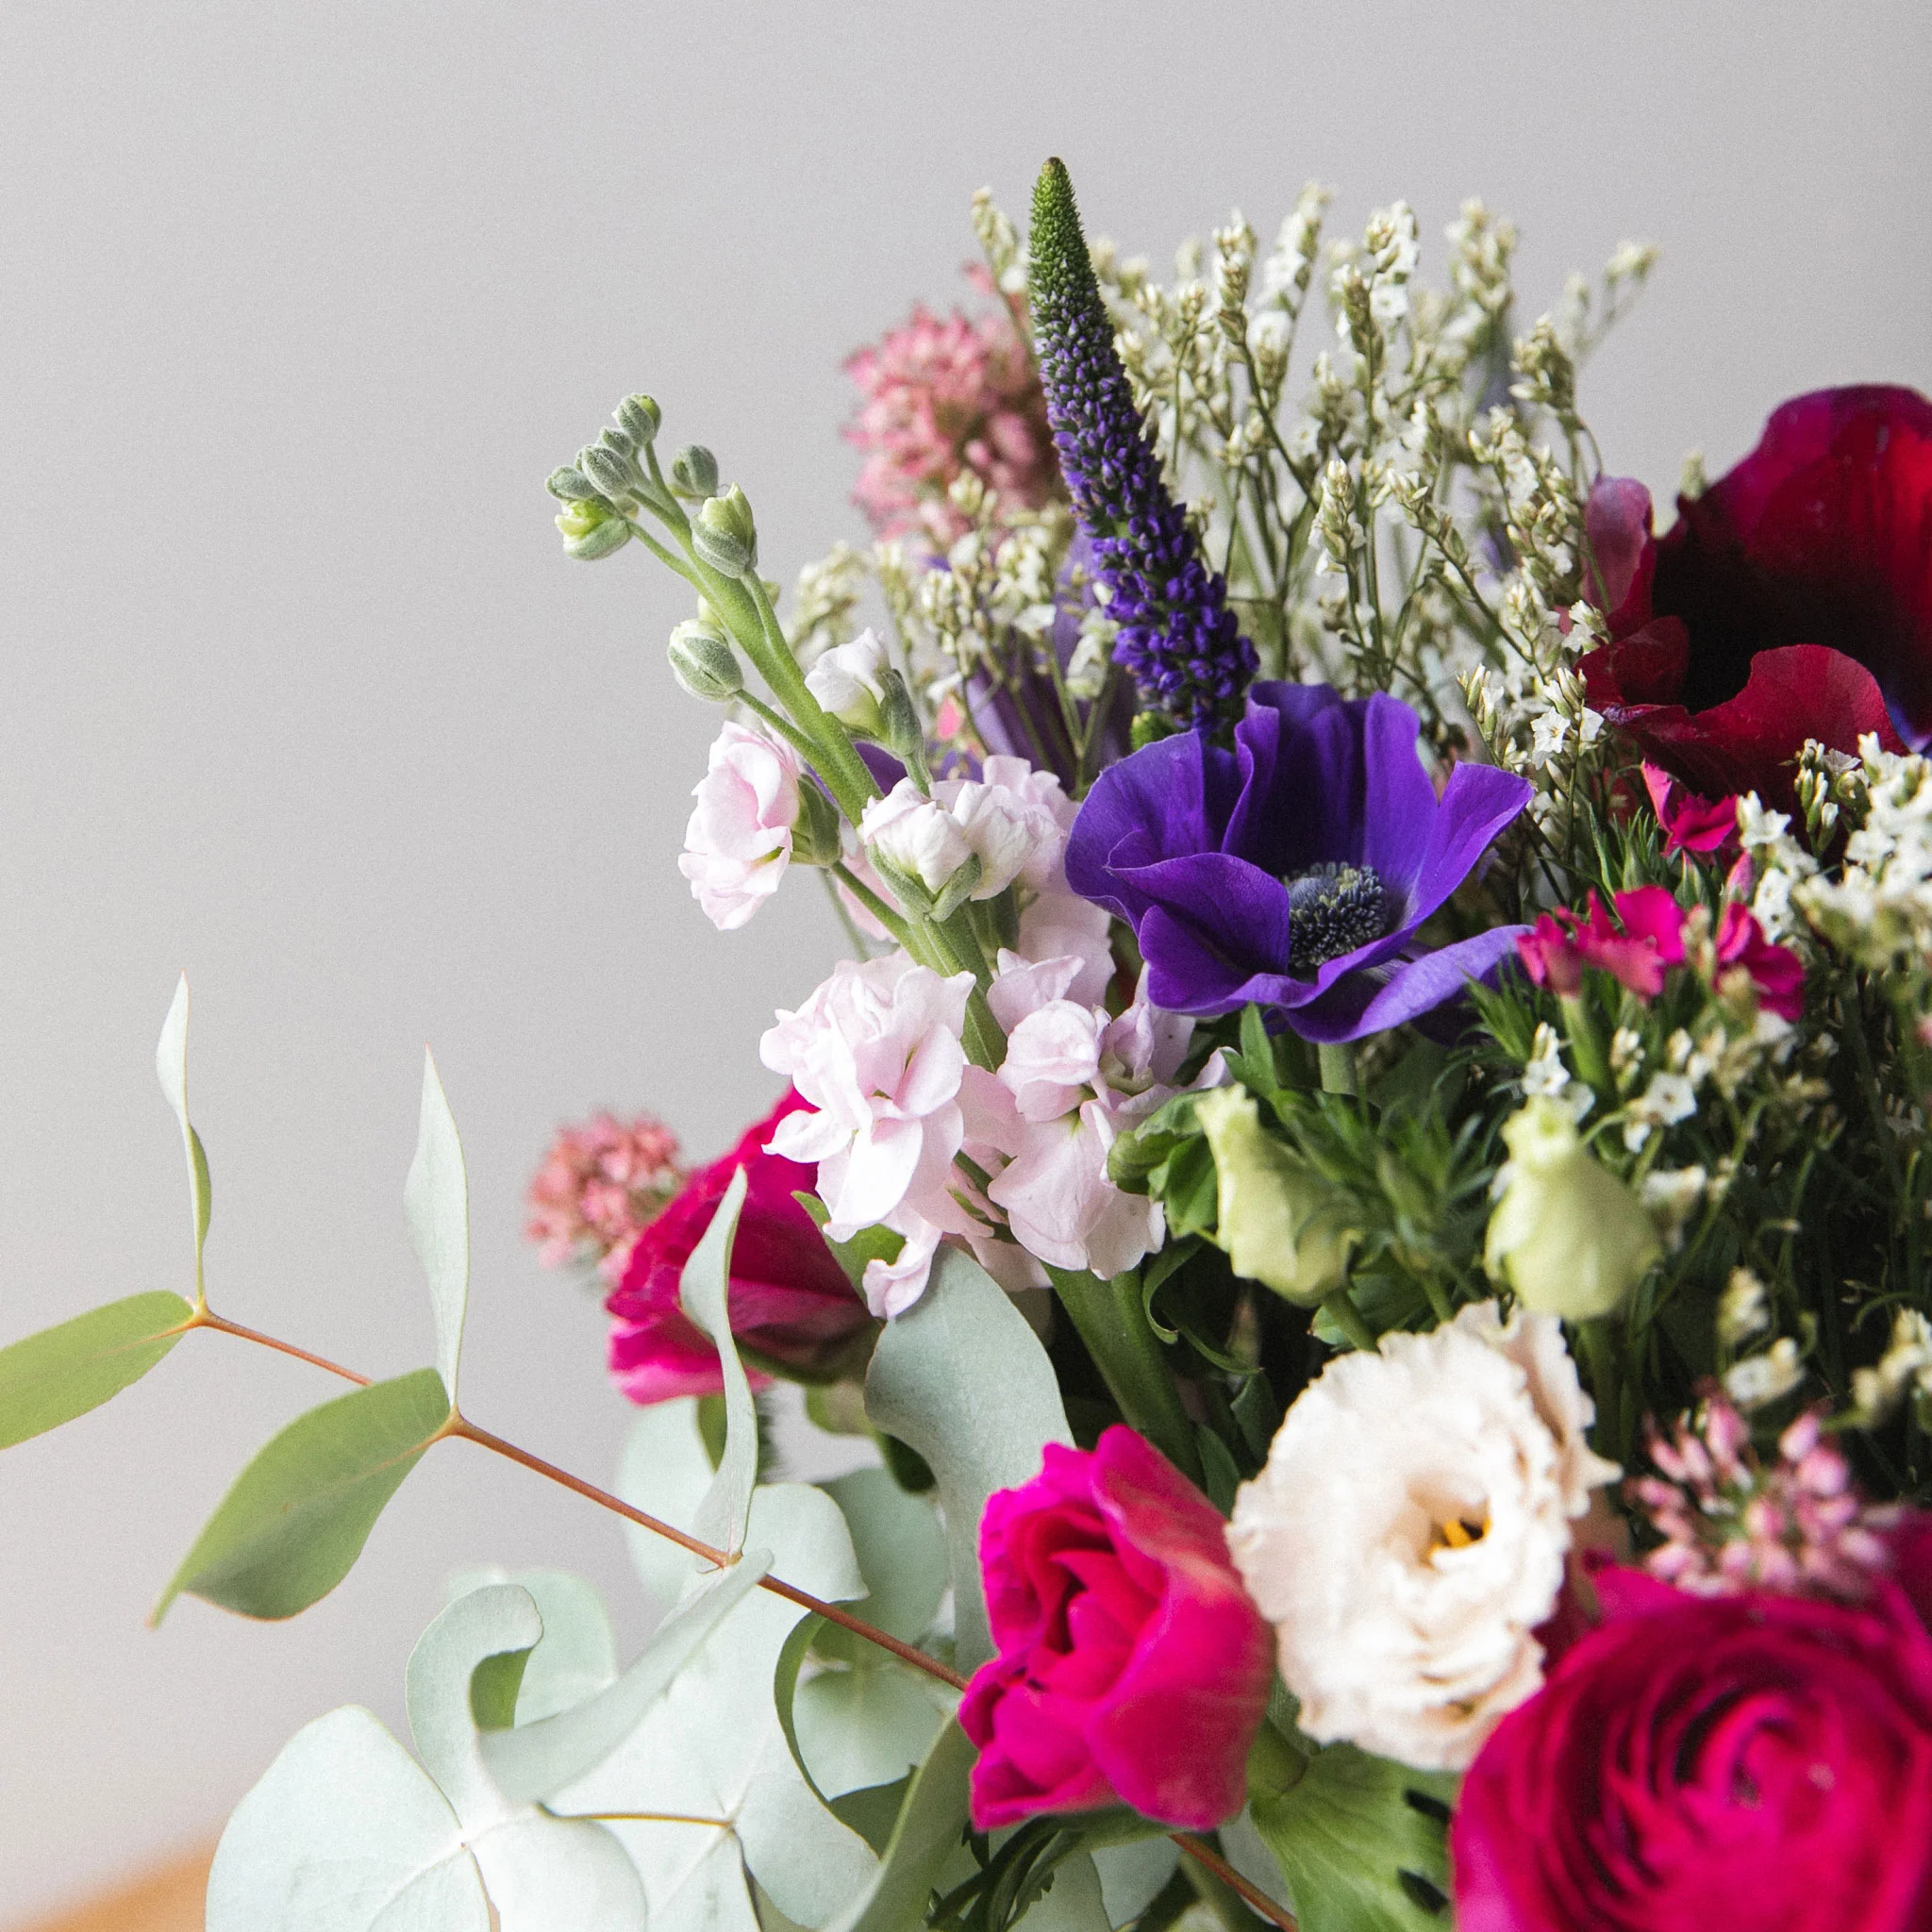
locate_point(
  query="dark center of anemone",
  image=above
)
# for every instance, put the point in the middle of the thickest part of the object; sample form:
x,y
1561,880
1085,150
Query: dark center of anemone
x,y
1331,910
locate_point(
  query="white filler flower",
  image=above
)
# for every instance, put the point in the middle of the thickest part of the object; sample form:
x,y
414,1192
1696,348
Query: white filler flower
x,y
1409,1532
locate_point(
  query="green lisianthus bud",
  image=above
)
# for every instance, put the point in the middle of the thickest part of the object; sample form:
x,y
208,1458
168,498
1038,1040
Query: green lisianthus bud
x,y
592,529
1279,1222
640,416
724,534
815,831
1568,1237
704,664
694,471
615,475
570,484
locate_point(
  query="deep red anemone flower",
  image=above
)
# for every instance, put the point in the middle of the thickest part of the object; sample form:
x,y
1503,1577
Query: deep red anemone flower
x,y
1792,600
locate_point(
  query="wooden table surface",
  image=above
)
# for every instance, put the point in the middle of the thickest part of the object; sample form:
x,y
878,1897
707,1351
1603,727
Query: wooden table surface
x,y
167,1899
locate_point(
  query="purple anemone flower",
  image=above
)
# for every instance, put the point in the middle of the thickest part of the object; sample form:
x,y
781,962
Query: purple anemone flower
x,y
1294,870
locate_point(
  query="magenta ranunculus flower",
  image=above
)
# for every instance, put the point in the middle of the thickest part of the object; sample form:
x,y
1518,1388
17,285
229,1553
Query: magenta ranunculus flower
x,y
790,1303
1131,1667
1792,600
1706,1763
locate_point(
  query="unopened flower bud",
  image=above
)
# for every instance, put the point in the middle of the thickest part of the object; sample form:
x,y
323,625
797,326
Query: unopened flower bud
x,y
1567,1236
846,682
1278,1221
612,474
815,833
592,529
641,416
900,730
704,664
724,534
570,484
617,439
694,471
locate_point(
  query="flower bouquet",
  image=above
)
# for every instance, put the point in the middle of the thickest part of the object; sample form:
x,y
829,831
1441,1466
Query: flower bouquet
x,y
1360,1211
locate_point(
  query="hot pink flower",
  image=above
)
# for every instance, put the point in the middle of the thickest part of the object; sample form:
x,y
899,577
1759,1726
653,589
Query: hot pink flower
x,y
1556,949
1690,824
1699,1762
938,397
790,1301
1131,1667
599,1185
1776,972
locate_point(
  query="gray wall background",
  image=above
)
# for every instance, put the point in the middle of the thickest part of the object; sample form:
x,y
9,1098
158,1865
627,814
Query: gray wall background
x,y
300,303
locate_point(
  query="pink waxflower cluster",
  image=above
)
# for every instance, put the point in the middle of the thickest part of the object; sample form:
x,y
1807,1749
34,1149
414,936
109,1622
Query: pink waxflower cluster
x,y
942,395
600,1186
1648,937
1730,1524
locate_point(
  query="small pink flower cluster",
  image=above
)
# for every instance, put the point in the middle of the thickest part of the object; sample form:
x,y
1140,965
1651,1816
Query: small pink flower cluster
x,y
1648,938
1730,1524
941,395
599,1187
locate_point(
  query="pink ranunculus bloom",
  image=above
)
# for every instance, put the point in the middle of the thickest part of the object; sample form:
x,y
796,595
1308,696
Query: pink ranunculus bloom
x,y
1698,1763
598,1187
1131,1666
1776,972
1690,824
739,841
938,397
1556,949
875,1051
790,1301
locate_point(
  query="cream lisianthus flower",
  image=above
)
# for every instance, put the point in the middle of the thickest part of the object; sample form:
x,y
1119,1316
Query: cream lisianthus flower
x,y
1409,1533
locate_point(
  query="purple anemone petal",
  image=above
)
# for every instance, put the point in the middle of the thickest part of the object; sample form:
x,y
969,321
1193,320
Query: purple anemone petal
x,y
1398,801
1477,801
1147,808
1372,1002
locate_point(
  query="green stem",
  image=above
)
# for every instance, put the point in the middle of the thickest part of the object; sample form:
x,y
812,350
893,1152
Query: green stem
x,y
1111,1319
1348,1318
1338,1067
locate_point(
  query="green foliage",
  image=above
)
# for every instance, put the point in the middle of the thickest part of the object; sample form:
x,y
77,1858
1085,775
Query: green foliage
x,y
297,1518
1363,1842
963,1379
705,1290
925,1837
171,1066
436,1200
51,1378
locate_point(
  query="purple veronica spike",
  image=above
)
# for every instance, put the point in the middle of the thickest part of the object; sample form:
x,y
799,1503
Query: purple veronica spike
x,y
1178,640
1295,869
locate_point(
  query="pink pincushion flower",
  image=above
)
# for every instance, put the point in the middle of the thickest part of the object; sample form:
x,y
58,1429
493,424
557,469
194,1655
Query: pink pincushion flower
x,y
1131,1667
790,1303
1700,1762
1729,1523
938,397
599,1186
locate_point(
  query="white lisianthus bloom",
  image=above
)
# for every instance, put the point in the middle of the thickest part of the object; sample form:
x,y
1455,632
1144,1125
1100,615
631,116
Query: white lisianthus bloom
x,y
846,682
875,1050
1409,1533
739,841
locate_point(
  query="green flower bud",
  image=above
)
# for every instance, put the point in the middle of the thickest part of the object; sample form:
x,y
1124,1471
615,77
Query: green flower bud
x,y
641,416
592,529
1278,1221
899,729
1567,1236
570,486
618,439
694,471
612,474
704,664
724,534
815,831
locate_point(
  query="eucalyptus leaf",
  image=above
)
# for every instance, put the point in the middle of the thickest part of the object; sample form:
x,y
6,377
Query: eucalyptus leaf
x,y
436,1200
927,1834
664,1471
865,1725
344,1832
963,1379
170,1068
1073,1903
705,1290
295,1519
1357,1854
1132,1875
901,1548
577,1658
49,1378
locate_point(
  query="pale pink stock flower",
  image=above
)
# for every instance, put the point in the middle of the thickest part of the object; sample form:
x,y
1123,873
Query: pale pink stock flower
x,y
875,1051
1731,1524
1011,818
938,397
739,841
601,1184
